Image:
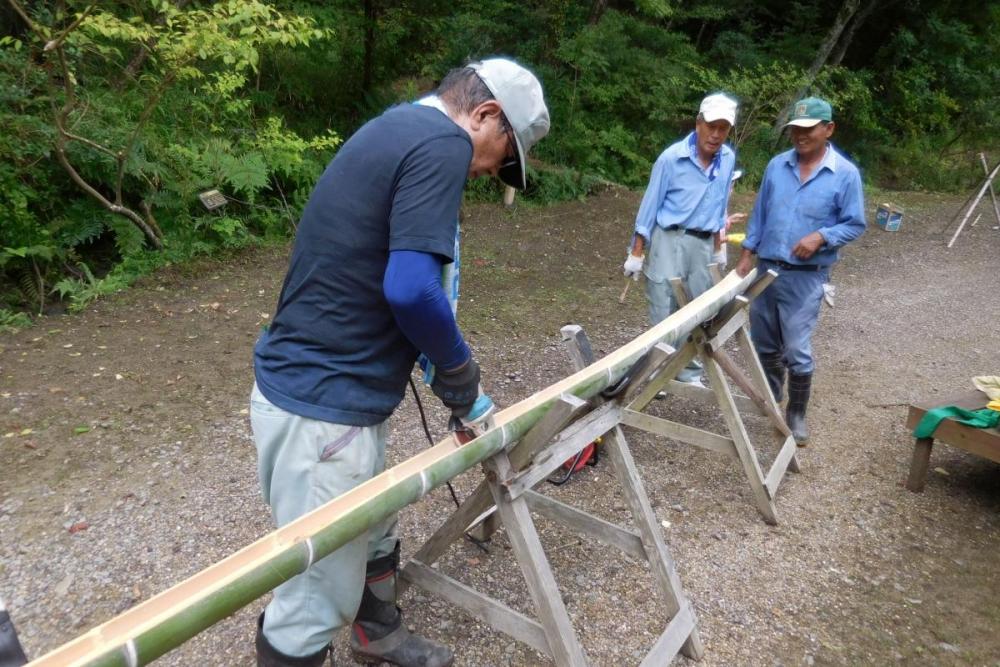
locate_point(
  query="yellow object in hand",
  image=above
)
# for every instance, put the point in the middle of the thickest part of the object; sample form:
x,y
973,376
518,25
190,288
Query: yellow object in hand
x,y
736,238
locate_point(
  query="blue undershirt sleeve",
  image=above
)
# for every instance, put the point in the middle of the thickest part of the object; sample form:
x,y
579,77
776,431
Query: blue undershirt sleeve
x,y
412,286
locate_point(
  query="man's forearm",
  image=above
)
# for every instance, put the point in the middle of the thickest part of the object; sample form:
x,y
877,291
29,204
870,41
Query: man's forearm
x,y
638,245
412,287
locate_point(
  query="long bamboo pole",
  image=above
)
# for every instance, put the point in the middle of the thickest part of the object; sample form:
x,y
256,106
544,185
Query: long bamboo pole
x,y
167,620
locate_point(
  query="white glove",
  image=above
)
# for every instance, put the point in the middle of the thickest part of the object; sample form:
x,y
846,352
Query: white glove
x,y
719,256
829,294
633,266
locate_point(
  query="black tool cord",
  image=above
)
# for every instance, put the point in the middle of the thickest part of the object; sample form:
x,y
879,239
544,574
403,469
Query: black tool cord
x,y
423,420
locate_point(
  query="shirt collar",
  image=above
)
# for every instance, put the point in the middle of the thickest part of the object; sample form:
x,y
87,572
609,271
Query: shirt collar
x,y
713,167
829,159
433,101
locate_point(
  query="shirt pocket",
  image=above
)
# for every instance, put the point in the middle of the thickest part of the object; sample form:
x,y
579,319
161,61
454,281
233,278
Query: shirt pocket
x,y
817,210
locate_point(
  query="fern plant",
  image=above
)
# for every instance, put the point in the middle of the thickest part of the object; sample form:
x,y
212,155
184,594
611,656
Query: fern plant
x,y
80,292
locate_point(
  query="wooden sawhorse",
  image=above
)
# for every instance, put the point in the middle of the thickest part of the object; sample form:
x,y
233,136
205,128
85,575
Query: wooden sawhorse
x,y
706,343
510,477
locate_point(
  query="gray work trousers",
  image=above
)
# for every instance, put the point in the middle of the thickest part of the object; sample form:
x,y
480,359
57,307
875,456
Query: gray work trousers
x,y
302,463
674,254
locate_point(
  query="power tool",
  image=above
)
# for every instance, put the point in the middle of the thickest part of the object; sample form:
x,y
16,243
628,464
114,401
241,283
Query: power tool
x,y
477,421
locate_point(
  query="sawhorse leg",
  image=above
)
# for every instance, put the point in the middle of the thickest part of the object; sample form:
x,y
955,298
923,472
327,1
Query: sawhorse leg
x,y
682,632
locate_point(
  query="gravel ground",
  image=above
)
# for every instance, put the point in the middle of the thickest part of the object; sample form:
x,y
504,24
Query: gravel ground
x,y
127,464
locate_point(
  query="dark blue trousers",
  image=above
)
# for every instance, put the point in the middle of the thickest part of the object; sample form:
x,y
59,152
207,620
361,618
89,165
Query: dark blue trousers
x,y
783,318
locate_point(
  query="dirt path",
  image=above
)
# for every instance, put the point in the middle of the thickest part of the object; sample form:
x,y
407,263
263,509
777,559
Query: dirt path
x,y
126,463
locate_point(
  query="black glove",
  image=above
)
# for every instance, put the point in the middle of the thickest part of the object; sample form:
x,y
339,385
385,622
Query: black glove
x,y
457,388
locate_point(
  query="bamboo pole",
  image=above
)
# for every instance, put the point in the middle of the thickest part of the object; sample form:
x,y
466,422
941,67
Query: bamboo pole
x,y
149,630
982,191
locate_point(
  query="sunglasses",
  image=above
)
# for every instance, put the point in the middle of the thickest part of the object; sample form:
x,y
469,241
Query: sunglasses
x,y
511,158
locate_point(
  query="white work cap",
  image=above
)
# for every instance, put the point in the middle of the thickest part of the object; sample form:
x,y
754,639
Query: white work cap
x,y
520,94
718,107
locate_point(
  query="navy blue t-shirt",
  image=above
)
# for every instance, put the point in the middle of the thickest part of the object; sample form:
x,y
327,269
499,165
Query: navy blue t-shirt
x,y
333,350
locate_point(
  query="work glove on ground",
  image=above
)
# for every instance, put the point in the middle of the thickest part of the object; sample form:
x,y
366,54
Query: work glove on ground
x,y
633,266
457,388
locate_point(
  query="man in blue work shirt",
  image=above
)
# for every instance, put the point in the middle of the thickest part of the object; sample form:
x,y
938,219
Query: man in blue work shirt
x,y
809,206
362,297
682,211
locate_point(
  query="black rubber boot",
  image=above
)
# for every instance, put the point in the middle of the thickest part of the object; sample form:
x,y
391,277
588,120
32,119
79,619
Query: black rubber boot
x,y
378,634
11,653
774,370
798,399
268,656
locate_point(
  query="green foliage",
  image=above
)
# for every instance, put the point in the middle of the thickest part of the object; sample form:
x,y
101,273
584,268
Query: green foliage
x,y
82,291
11,321
614,127
183,122
252,98
554,185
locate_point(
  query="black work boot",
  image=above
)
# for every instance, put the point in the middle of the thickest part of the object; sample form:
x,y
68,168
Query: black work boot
x,y
378,634
268,656
798,399
774,370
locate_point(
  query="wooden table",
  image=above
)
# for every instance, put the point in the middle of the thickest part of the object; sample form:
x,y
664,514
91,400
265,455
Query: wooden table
x,y
982,441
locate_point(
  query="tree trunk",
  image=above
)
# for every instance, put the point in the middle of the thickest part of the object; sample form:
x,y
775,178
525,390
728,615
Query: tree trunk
x,y
597,11
847,10
142,53
368,67
848,36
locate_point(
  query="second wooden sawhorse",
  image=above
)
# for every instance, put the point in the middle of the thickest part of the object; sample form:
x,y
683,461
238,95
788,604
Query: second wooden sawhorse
x,y
707,345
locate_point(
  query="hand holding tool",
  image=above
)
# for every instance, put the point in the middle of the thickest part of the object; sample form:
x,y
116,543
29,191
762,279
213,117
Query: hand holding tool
x,y
477,421
633,266
457,388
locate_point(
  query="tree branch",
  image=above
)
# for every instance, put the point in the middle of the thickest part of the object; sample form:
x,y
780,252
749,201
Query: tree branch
x,y
848,36
53,44
93,144
60,116
847,11
145,49
101,199
24,15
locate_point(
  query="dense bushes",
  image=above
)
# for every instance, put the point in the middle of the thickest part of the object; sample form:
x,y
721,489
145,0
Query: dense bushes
x,y
118,124
115,121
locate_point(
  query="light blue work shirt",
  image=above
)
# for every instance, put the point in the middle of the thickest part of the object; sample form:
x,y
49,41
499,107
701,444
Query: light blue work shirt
x,y
830,202
681,193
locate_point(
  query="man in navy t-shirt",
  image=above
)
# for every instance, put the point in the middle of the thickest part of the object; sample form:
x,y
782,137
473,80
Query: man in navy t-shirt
x,y
362,298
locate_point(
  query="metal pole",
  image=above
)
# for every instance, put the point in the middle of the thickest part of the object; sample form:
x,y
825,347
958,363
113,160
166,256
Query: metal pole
x,y
986,170
975,202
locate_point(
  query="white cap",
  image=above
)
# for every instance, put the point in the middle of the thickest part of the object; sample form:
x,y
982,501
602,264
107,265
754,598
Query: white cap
x,y
718,107
520,94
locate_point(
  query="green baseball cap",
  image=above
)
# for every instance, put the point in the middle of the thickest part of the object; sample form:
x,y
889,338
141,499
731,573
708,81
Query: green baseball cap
x,y
809,112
